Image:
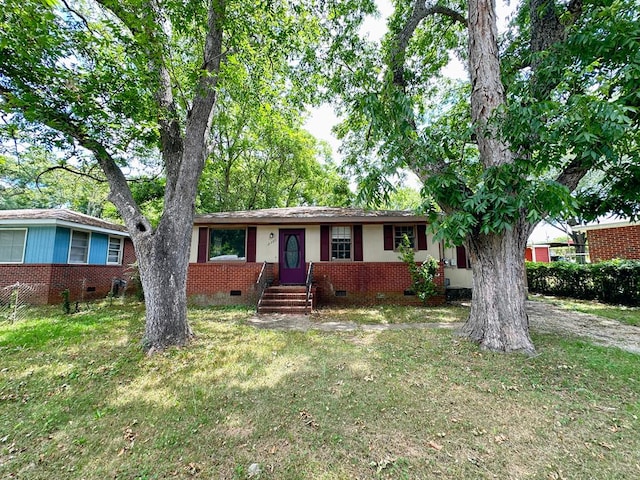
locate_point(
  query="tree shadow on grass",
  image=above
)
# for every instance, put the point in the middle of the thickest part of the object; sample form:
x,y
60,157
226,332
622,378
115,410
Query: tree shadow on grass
x,y
312,405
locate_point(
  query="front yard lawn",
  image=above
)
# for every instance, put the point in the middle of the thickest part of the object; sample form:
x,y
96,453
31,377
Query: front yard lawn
x,y
78,399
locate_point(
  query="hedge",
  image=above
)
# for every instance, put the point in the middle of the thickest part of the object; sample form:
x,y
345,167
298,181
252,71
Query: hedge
x,y
615,281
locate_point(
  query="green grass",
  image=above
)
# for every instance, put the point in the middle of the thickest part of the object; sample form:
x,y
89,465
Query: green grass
x,y
78,399
621,313
392,314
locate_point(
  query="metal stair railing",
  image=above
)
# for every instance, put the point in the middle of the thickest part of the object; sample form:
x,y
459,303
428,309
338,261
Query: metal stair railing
x,y
309,282
265,278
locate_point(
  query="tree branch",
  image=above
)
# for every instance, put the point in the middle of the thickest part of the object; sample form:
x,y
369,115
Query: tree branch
x,y
420,12
397,65
572,174
70,170
120,194
77,14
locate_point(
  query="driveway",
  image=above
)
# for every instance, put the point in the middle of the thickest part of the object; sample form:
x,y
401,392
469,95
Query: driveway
x,y
543,318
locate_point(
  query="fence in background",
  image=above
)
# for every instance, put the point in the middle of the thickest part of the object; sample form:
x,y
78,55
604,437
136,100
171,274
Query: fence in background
x,y
14,299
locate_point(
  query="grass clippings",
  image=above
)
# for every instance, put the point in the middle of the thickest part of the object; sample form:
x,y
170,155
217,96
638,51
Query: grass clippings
x,y
79,399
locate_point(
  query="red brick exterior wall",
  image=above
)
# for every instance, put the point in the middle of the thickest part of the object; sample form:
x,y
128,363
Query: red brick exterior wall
x,y
615,242
363,283
45,282
212,283
367,283
34,277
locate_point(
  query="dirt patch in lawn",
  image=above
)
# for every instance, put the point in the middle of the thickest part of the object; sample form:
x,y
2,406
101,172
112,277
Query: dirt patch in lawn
x,y
543,318
546,318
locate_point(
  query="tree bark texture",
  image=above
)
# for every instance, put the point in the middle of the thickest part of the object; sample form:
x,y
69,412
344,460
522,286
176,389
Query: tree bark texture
x,y
498,320
163,260
487,90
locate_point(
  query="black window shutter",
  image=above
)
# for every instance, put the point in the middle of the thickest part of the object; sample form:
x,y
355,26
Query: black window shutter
x,y
461,257
203,244
251,244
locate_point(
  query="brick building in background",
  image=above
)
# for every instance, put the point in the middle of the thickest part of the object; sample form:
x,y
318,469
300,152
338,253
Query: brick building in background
x,y
48,251
611,239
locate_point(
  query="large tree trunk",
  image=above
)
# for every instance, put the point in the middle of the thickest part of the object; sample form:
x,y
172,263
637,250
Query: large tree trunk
x,y
498,320
163,259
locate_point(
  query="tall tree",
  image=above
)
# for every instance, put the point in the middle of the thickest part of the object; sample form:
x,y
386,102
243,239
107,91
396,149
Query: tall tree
x,y
262,158
121,79
555,99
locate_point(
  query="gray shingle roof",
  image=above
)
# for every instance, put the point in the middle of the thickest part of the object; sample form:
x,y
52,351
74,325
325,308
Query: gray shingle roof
x,y
61,214
310,215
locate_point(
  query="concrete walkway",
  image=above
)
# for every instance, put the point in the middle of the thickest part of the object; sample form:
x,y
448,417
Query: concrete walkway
x,y
543,318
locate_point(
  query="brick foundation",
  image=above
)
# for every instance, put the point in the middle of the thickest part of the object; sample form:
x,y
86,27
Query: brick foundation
x,y
222,283
336,283
45,282
615,242
371,283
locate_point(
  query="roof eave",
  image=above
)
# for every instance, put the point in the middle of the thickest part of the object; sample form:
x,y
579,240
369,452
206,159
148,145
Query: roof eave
x,y
26,222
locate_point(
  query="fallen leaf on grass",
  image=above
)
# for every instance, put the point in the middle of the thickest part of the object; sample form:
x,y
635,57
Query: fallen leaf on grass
x,y
435,446
383,464
129,435
193,469
500,438
510,388
556,476
308,420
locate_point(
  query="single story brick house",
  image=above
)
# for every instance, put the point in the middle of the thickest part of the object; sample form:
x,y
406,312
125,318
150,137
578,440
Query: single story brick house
x,y
612,238
48,251
353,253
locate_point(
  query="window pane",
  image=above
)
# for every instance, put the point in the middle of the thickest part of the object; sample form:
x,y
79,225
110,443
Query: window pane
x,y
341,243
227,244
79,247
115,248
400,232
292,252
12,246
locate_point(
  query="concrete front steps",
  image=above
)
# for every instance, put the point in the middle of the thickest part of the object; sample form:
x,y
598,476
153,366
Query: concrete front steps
x,y
285,299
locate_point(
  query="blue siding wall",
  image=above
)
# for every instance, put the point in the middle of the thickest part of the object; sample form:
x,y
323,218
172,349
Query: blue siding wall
x,y
98,248
61,247
49,244
40,241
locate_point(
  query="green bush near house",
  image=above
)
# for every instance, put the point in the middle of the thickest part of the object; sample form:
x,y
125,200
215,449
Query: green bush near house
x,y
615,281
423,275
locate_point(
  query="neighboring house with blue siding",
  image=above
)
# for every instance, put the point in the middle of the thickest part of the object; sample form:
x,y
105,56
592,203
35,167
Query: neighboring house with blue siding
x,y
49,251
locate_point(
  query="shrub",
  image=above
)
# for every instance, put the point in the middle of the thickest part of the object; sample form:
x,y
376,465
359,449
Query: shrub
x,y
615,281
422,276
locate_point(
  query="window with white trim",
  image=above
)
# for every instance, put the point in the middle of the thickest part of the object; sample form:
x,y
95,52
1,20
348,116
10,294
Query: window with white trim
x,y
341,243
114,252
12,243
399,231
79,249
